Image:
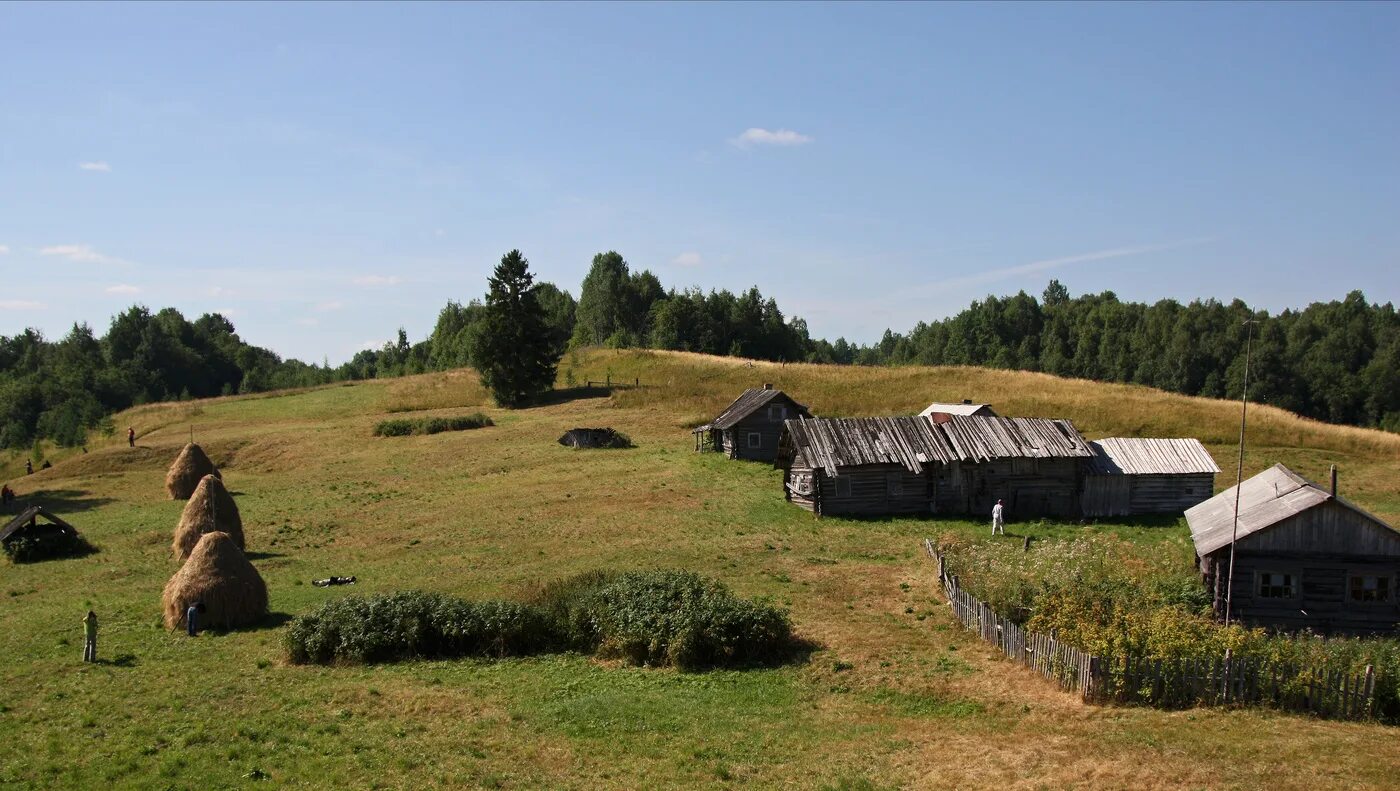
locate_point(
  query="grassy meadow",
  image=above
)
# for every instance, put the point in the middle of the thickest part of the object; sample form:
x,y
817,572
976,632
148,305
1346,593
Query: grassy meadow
x,y
896,696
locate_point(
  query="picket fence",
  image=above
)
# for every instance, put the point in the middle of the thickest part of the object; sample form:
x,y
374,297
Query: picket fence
x,y
1162,683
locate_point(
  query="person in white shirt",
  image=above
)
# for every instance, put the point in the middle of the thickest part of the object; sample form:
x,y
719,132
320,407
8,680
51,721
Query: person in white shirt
x,y
998,522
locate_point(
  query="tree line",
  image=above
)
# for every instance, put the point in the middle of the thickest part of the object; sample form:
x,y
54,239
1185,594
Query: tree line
x,y
1337,361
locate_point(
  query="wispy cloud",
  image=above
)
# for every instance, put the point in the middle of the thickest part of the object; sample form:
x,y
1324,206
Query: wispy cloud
x,y
326,307
122,288
4,249
376,280
21,304
994,275
755,136
99,166
79,254
691,258
219,291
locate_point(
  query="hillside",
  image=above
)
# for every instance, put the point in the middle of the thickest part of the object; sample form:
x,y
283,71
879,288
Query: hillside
x,y
897,696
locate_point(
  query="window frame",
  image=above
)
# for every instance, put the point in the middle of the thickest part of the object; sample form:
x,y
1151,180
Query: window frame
x,y
1292,586
1387,579
780,415
754,440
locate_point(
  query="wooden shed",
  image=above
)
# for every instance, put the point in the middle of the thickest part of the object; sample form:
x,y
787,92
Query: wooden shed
x,y
966,409
1128,476
903,465
1304,557
749,428
37,533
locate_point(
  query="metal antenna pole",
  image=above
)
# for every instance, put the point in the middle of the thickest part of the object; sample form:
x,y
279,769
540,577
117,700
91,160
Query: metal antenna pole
x,y
1239,474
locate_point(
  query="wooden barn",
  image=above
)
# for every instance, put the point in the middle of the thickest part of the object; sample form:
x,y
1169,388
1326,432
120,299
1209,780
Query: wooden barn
x,y
906,465
966,409
749,428
1128,476
1304,557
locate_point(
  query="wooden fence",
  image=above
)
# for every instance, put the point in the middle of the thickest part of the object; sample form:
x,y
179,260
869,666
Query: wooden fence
x,y
1163,683
608,382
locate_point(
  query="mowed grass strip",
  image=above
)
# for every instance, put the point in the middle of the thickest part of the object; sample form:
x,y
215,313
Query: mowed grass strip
x,y
895,696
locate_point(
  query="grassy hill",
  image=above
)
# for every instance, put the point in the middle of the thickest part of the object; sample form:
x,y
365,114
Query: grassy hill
x,y
898,696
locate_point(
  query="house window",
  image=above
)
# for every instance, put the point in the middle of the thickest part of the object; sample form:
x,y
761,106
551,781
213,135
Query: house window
x,y
1369,587
755,439
843,486
777,412
894,484
1275,585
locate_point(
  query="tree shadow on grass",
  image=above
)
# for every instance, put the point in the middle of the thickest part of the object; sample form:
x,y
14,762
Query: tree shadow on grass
x,y
567,394
60,501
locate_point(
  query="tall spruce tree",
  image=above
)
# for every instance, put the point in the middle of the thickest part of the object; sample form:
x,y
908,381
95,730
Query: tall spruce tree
x,y
515,353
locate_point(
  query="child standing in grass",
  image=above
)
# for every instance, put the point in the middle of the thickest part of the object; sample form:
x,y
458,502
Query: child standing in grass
x,y
90,637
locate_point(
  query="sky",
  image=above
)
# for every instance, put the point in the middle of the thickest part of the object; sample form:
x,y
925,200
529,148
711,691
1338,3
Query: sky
x,y
324,174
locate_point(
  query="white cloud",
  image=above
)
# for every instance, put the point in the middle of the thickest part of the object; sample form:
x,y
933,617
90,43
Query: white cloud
x,y
4,249
308,322
21,304
688,259
122,288
376,280
993,275
79,254
764,137
326,307
99,166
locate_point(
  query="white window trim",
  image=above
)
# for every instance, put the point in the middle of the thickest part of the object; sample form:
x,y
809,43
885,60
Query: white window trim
x,y
755,440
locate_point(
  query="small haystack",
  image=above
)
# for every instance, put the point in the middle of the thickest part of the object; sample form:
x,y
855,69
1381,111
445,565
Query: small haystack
x,y
210,509
190,466
594,438
219,575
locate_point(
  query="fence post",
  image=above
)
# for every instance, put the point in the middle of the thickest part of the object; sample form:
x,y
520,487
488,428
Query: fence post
x,y
1369,689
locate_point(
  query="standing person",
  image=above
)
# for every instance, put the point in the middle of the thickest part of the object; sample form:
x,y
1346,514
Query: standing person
x,y
90,637
28,466
130,437
998,521
192,617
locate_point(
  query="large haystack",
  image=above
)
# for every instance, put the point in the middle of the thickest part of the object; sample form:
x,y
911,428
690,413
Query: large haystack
x,y
218,574
210,509
190,466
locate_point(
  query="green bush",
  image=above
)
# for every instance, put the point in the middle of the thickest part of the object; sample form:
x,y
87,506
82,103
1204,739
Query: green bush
x,y
671,618
47,546
403,427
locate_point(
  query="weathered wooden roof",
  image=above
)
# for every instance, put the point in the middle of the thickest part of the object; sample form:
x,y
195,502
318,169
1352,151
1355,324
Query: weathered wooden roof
x,y
28,514
1150,456
850,442
1265,500
985,438
911,442
957,409
747,403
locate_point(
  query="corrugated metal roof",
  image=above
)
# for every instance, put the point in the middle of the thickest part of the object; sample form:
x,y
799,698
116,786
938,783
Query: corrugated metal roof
x,y
1265,500
830,443
747,403
955,409
1150,456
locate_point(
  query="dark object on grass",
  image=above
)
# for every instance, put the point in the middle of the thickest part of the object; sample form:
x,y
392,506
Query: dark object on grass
x,y
594,438
326,583
403,427
26,539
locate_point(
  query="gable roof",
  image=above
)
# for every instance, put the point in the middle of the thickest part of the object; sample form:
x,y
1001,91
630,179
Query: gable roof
x,y
750,401
1150,456
26,515
1265,500
912,442
956,409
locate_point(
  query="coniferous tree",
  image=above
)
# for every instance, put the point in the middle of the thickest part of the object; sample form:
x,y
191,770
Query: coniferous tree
x,y
515,353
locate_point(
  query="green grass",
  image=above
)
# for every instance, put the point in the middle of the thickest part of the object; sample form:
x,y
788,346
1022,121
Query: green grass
x,y
488,514
403,427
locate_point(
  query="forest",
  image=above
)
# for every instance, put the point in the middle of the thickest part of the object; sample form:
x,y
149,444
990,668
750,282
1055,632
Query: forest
x,y
1336,361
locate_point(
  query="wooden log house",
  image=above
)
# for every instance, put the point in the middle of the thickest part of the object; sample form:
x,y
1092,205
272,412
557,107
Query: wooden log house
x,y
749,428
1129,476
1304,557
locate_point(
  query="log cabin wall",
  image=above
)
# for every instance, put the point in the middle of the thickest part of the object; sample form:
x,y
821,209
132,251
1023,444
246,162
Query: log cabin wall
x,y
1028,487
873,490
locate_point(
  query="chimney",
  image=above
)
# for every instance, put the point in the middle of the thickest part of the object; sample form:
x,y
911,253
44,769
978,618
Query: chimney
x,y
767,385
1334,480
967,400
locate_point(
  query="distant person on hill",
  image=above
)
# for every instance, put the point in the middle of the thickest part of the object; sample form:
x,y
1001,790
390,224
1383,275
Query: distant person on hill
x,y
998,520
28,467
130,437
192,617
47,464
90,637
7,495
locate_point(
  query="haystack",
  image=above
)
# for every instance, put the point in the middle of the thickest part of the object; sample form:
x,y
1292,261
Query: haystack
x,y
210,509
191,465
218,574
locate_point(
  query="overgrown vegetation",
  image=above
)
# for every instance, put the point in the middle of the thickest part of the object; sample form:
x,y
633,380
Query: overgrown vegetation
x,y
657,618
48,545
403,427
1124,602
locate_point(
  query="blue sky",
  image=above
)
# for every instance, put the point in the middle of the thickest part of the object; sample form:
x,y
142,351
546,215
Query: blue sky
x,y
324,174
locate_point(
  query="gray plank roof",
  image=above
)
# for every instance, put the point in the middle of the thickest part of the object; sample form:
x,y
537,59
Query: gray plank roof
x,y
912,442
24,517
747,403
1150,456
1265,500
